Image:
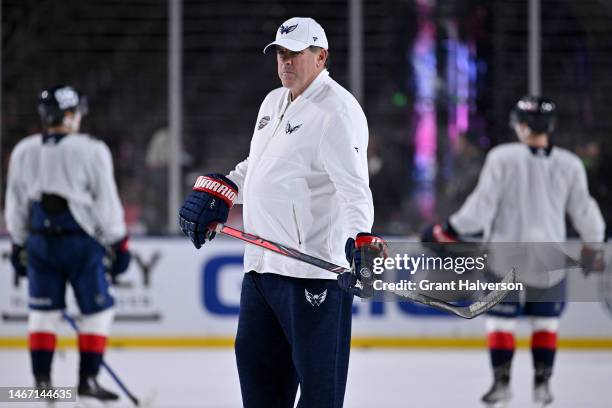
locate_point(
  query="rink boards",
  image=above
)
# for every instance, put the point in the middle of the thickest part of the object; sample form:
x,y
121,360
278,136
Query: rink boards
x,y
175,296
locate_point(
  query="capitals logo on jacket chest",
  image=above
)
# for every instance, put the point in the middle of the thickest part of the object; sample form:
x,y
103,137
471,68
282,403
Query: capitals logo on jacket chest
x,y
290,129
263,122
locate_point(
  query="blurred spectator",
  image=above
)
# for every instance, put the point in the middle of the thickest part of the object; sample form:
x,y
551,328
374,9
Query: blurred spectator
x,y
468,160
155,204
599,172
389,168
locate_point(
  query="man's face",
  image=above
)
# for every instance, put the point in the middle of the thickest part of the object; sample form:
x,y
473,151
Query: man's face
x,y
296,70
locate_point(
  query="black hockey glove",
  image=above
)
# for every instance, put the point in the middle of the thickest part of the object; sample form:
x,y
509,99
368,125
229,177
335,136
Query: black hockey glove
x,y
361,254
208,204
19,260
119,257
592,260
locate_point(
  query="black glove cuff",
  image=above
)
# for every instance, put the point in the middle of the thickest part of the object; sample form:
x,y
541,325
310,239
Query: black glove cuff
x,y
449,229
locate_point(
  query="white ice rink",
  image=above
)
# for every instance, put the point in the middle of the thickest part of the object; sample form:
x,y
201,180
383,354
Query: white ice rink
x,y
378,378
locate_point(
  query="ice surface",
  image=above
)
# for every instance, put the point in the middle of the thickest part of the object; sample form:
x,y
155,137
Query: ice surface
x,y
377,378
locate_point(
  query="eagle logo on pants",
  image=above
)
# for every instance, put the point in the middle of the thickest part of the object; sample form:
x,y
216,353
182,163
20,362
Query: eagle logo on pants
x,y
316,300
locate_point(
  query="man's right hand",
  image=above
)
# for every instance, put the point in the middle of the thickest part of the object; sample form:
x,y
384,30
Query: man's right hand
x,y
209,203
19,259
360,253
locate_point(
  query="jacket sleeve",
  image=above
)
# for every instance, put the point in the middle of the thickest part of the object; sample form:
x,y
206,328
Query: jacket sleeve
x,y
17,202
237,176
583,209
343,154
478,211
107,208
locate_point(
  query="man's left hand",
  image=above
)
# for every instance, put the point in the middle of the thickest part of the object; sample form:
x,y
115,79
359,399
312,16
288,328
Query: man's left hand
x,y
120,257
19,260
360,253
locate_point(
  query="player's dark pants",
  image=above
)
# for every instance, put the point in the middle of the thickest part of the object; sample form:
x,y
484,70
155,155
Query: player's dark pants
x,y
538,302
293,332
69,255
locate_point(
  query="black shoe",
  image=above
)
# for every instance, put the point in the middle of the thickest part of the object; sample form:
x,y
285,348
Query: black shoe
x,y
542,394
499,393
89,387
44,387
541,387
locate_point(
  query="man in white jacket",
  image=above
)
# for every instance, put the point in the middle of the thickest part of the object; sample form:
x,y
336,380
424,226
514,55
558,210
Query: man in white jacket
x,y
304,185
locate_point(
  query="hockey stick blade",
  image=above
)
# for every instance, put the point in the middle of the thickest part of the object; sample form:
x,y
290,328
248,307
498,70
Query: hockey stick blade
x,y
480,306
467,312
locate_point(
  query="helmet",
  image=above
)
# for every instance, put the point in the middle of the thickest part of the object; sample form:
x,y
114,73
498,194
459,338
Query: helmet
x,y
54,102
538,113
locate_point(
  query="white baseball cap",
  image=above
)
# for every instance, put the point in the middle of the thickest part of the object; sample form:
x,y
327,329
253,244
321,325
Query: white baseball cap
x,y
299,33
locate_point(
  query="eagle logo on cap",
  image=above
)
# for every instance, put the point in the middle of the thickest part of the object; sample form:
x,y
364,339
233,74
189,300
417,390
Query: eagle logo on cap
x,y
287,30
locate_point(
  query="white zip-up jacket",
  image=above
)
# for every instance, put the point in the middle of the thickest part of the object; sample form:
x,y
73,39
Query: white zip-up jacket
x,y
305,182
78,168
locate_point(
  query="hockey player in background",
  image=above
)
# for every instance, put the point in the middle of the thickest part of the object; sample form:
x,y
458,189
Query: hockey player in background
x,y
523,194
66,222
304,185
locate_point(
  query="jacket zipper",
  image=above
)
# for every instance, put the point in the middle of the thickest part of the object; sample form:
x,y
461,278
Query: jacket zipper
x,y
280,120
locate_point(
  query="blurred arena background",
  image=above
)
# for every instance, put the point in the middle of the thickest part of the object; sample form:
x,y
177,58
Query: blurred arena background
x,y
436,78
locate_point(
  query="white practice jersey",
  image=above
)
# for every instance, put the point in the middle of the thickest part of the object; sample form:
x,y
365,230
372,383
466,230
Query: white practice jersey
x,y
305,182
524,195
78,168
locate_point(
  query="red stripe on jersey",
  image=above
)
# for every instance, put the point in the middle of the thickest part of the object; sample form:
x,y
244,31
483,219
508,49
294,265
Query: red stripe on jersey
x,y
42,341
501,340
544,339
92,343
216,187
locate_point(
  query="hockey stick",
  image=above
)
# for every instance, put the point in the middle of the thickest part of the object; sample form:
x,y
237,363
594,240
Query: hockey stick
x,y
467,312
131,396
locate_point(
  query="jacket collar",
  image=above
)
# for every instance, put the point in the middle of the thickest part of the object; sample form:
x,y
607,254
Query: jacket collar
x,y
541,151
314,85
52,137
